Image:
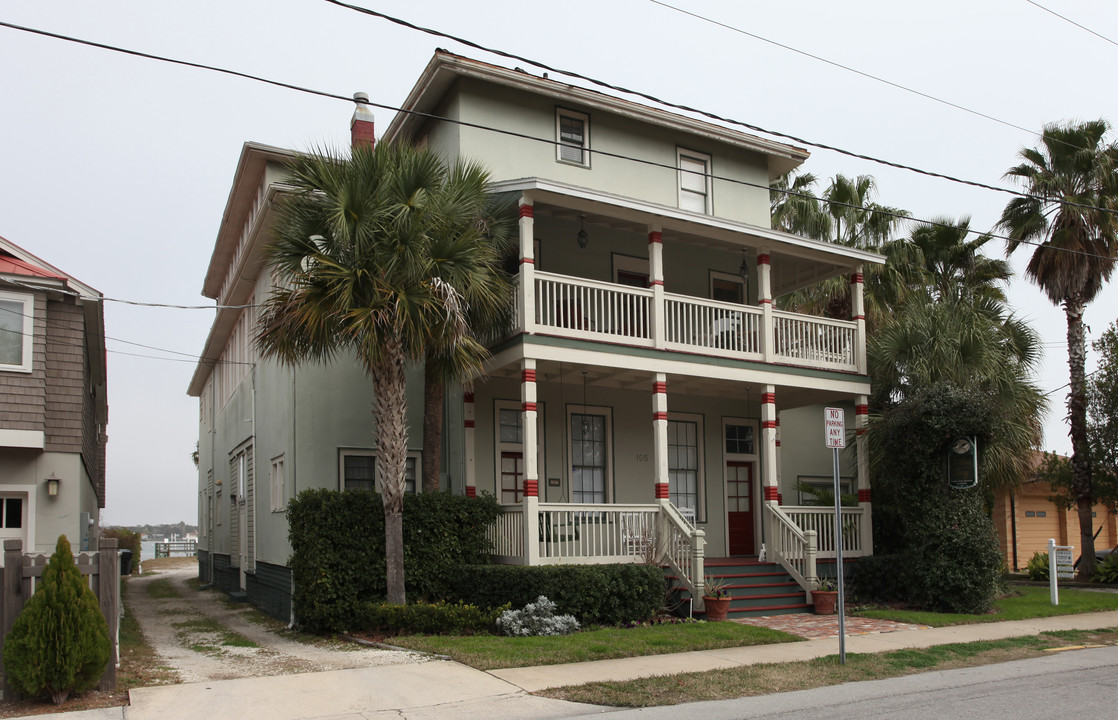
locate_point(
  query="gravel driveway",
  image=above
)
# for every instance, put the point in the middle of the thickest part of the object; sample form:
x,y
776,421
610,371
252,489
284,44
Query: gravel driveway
x,y
201,635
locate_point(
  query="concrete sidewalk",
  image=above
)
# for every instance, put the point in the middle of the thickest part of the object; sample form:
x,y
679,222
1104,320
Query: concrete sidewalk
x,y
448,690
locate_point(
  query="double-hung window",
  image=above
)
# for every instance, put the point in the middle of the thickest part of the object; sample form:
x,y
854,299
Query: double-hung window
x,y
277,489
572,132
683,464
359,470
694,181
16,331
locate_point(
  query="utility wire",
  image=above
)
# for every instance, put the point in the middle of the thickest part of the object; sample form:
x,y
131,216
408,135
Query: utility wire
x,y
832,63
1068,20
511,133
687,108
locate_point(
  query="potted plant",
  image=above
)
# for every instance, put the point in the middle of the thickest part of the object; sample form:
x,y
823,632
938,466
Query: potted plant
x,y
825,596
716,598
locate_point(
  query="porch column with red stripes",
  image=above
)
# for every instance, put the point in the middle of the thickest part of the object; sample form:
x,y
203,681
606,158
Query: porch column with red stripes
x,y
660,434
531,466
858,311
765,300
770,481
861,420
471,472
779,495
526,292
656,282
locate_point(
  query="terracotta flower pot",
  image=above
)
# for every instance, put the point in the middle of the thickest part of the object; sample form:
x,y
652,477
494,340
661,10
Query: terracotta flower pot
x,y
824,601
716,608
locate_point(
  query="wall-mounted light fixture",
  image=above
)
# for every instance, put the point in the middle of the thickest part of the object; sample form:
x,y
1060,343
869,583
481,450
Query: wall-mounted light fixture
x,y
52,485
583,236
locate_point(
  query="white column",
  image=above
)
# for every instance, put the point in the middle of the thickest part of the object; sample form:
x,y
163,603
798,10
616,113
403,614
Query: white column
x,y
765,300
769,478
527,290
531,467
861,420
471,471
656,281
660,434
858,311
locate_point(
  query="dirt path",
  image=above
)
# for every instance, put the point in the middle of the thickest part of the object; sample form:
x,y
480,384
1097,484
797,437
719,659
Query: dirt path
x,y
200,635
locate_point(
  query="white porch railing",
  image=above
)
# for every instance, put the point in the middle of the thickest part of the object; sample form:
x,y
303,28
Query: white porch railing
x,y
792,547
822,342
822,521
590,534
719,328
593,310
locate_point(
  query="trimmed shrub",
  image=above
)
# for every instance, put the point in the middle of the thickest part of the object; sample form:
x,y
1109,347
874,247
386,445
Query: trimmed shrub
x,y
1038,566
128,540
1107,570
594,594
337,542
536,619
427,618
949,552
59,644
877,578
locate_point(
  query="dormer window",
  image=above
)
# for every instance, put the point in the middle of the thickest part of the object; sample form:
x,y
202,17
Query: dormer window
x,y
694,181
572,132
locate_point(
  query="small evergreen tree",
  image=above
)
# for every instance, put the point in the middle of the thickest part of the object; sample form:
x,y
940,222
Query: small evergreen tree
x,y
59,644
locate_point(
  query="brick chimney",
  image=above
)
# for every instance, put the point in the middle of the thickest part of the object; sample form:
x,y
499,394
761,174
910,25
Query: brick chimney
x,y
361,126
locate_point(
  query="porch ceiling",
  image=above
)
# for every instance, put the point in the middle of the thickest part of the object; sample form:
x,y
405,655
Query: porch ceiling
x,y
570,376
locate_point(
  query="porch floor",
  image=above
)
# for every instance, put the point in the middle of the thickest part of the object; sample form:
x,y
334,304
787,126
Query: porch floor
x,y
813,627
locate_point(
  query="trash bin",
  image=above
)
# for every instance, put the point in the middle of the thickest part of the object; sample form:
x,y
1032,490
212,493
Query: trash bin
x,y
125,562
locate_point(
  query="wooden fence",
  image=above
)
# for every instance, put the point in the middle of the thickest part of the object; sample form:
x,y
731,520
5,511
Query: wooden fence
x,y
168,548
21,573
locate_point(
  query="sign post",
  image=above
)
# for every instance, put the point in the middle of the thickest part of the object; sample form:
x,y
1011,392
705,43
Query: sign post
x,y
835,430
1060,567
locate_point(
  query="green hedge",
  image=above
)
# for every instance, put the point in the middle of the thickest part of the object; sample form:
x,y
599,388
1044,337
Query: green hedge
x,y
595,594
337,542
878,578
428,618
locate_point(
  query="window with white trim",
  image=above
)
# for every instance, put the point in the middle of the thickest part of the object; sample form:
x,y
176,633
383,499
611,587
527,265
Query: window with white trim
x,y
694,181
817,490
590,447
572,133
276,484
17,331
683,464
360,470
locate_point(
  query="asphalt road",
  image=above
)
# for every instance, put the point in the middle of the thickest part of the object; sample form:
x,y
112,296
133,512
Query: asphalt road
x,y
1069,685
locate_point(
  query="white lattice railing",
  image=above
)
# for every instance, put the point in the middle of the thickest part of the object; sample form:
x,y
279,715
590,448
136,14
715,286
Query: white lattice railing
x,y
681,547
506,536
792,547
806,340
718,327
595,310
822,521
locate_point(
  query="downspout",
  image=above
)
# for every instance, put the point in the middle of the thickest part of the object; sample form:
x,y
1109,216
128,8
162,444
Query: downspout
x,y
255,474
294,484
213,473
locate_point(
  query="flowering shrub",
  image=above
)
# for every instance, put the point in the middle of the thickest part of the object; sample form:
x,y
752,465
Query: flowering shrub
x,y
536,618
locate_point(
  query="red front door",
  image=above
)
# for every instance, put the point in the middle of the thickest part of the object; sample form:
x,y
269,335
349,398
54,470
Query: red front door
x,y
739,507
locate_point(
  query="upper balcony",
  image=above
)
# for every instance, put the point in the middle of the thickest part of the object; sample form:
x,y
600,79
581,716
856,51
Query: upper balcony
x,y
663,278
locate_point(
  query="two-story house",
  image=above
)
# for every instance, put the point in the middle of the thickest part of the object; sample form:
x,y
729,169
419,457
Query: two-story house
x,y
650,401
53,408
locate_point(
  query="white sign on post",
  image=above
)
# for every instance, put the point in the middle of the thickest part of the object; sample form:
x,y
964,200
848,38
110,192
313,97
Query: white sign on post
x,y
835,425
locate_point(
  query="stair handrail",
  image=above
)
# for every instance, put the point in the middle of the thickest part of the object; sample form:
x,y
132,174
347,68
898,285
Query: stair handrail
x,y
681,546
792,547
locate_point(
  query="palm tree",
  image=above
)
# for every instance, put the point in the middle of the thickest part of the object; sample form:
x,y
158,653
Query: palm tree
x,y
380,255
857,221
796,209
1072,184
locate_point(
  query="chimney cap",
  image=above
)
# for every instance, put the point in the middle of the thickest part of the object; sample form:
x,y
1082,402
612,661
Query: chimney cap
x,y
361,113
360,97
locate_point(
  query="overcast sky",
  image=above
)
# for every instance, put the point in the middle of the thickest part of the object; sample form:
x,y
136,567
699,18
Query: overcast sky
x,y
116,169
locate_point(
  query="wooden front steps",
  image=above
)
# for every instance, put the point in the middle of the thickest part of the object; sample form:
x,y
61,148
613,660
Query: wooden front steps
x,y
756,588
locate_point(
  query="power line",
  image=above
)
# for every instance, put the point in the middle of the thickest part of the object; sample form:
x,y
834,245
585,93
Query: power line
x,y
1068,20
553,142
687,108
869,76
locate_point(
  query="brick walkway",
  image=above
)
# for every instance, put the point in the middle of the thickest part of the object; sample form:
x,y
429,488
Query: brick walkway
x,y
826,626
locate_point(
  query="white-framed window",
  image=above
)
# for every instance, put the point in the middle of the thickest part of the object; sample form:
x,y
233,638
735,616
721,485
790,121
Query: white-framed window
x,y
694,181
276,484
17,331
740,437
820,490
572,135
725,287
591,443
359,470
508,419
685,442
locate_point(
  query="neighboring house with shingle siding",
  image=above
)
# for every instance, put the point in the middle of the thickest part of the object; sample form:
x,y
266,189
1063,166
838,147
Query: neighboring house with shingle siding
x,y
53,408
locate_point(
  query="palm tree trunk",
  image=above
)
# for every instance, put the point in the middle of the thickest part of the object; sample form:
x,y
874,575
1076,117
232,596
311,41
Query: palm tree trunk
x,y
390,384
433,390
1077,418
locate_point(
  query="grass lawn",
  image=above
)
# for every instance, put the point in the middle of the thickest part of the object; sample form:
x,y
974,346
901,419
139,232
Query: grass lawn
x,y
784,677
1026,602
488,652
